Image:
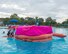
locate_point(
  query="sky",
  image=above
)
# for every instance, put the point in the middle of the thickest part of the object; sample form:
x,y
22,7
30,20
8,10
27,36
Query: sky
x,y
57,9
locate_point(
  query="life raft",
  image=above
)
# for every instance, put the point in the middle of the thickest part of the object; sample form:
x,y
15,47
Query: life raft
x,y
59,35
40,38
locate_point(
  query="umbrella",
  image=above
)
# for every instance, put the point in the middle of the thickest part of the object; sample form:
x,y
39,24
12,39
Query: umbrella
x,y
14,20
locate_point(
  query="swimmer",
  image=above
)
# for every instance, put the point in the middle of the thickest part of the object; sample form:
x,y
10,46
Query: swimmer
x,y
11,33
3,32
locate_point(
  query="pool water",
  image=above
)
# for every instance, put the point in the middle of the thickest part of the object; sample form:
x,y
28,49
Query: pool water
x,y
13,46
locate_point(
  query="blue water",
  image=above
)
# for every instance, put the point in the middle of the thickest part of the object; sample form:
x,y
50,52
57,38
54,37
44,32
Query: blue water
x,y
13,46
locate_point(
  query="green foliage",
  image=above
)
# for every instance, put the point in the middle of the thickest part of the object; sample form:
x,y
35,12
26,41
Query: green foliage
x,y
40,20
65,23
29,21
33,21
50,21
14,16
5,21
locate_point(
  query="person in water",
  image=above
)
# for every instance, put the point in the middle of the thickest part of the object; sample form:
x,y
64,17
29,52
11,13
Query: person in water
x,y
11,33
3,32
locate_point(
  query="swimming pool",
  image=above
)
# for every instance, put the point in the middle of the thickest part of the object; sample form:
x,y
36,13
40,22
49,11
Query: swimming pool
x,y
13,46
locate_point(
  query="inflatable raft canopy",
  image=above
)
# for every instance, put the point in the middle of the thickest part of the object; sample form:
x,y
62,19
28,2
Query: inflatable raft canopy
x,y
33,30
34,33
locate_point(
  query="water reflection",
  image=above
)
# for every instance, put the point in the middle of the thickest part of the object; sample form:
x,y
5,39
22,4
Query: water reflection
x,y
35,47
59,40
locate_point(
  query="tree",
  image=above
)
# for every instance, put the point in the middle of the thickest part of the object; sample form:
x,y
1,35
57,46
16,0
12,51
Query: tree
x,y
29,21
50,21
16,17
65,23
36,21
41,20
6,21
22,21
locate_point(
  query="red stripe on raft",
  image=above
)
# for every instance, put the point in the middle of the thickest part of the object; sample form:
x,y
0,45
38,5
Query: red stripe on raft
x,y
59,35
48,39
45,37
